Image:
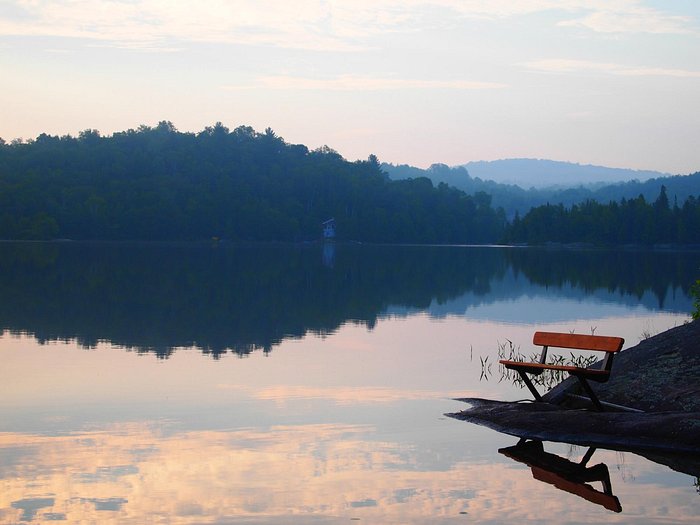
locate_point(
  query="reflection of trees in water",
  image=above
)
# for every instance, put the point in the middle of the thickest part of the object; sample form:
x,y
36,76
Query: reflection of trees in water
x,y
243,297
623,272
153,297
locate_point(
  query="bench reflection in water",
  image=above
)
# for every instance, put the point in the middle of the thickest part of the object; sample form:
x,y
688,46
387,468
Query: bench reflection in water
x,y
564,474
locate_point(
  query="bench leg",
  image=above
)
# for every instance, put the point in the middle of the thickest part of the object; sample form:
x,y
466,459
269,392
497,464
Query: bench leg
x,y
587,456
529,385
591,394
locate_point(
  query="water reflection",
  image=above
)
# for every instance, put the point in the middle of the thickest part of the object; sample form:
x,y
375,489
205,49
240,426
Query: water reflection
x,y
331,473
327,430
341,423
123,474
239,298
564,474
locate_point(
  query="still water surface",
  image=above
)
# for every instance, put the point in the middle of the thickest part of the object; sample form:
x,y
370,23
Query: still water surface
x,y
304,384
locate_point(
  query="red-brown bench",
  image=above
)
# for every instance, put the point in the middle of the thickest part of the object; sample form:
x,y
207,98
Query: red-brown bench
x,y
609,345
565,474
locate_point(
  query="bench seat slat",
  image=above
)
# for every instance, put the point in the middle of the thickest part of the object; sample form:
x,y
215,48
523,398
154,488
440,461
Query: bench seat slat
x,y
540,367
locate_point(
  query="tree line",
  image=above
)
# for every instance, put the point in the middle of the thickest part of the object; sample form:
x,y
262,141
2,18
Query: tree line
x,y
633,221
157,183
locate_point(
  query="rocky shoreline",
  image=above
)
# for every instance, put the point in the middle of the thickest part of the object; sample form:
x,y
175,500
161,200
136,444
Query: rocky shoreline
x,y
660,376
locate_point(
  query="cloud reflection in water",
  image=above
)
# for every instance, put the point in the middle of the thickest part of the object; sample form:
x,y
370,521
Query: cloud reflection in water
x,y
331,471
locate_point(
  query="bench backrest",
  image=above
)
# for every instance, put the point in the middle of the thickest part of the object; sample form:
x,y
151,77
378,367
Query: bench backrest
x,y
600,343
579,341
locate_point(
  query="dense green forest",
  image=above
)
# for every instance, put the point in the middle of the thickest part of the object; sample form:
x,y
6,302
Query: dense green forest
x,y
157,183
161,184
633,221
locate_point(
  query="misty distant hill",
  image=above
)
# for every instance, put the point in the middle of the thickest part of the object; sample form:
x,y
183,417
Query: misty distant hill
x,y
541,173
513,198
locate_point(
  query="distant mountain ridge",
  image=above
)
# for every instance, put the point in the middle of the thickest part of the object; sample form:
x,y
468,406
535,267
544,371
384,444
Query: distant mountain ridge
x,y
514,199
543,173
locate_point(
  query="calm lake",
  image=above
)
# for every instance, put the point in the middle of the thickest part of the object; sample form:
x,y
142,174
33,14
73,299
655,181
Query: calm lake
x,y
256,384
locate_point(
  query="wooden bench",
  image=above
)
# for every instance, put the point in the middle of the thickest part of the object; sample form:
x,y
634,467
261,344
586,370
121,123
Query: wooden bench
x,y
609,345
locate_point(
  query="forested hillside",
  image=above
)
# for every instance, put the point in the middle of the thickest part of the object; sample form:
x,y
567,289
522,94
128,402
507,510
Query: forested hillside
x,y
515,199
162,184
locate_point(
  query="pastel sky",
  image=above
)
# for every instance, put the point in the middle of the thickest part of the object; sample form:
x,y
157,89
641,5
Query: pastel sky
x,y
609,82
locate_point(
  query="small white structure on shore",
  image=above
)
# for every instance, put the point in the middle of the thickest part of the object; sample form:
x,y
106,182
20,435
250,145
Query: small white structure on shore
x,y
329,229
